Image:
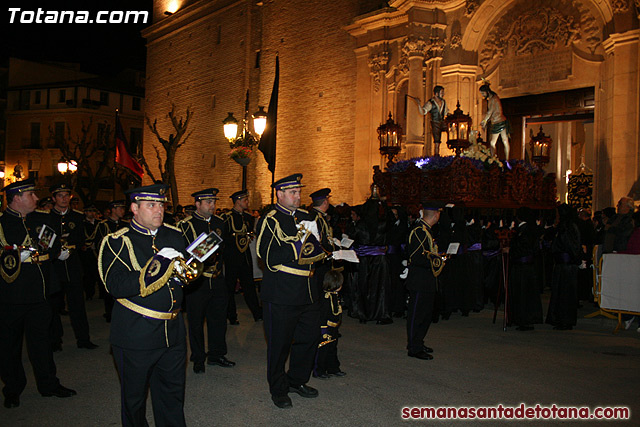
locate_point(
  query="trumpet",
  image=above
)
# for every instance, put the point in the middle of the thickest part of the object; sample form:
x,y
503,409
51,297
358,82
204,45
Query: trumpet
x,y
34,251
187,271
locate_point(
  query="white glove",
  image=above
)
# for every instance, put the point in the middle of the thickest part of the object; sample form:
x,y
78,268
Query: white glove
x,y
169,253
63,255
404,262
24,255
312,227
404,273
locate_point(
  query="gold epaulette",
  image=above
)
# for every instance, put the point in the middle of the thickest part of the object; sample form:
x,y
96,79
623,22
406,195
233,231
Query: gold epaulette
x,y
118,234
302,210
80,212
183,220
217,216
173,227
42,211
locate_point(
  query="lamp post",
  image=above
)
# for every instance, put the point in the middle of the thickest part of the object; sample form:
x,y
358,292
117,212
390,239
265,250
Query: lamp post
x,y
390,139
242,145
458,125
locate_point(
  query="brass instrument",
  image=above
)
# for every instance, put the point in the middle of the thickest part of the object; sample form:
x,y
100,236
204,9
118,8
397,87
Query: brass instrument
x,y
187,271
34,251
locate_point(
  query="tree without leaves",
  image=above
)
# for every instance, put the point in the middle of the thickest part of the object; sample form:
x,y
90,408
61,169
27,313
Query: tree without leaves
x,y
95,154
171,145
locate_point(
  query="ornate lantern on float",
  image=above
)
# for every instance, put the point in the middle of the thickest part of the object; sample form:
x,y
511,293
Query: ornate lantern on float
x,y
390,138
540,147
458,125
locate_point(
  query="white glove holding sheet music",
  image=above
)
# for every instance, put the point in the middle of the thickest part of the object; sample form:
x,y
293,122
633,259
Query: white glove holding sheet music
x,y
310,226
64,255
24,255
169,253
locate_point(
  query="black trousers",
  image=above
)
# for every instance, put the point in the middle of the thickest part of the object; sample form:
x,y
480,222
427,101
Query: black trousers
x,y
77,312
292,331
205,305
419,318
243,272
31,321
90,269
327,361
160,371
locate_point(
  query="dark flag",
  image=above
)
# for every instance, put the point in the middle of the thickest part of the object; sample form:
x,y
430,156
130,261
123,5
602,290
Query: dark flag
x,y
122,155
268,140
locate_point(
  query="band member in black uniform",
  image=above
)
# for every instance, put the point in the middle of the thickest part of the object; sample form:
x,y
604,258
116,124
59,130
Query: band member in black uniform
x,y
137,266
237,256
207,296
87,252
24,284
67,224
288,245
320,206
425,265
112,223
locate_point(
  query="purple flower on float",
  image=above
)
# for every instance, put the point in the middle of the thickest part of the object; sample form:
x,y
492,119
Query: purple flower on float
x,y
421,162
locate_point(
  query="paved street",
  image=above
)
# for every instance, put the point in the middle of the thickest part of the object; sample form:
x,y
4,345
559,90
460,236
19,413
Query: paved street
x,y
475,363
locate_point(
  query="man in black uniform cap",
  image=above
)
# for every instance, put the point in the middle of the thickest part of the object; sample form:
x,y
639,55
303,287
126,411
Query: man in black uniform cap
x,y
288,243
207,296
148,339
112,223
24,310
424,267
67,224
237,256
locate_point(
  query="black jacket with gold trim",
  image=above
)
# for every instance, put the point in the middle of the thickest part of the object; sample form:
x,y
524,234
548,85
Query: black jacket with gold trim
x,y
288,274
238,232
28,282
124,259
212,278
424,262
70,230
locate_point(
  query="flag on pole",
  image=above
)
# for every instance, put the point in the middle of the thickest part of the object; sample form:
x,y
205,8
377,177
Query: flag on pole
x,y
122,155
268,140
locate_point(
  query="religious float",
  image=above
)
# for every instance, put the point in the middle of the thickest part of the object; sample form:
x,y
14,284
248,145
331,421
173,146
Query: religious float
x,y
474,177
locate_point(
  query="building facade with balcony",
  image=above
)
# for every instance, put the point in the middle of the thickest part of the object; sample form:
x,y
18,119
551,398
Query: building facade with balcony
x,y
50,103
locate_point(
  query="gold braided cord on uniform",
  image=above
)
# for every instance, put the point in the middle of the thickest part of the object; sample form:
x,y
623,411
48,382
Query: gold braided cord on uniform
x,y
282,237
242,232
432,253
126,243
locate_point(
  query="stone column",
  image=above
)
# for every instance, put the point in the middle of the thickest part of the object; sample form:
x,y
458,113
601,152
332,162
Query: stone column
x,y
414,51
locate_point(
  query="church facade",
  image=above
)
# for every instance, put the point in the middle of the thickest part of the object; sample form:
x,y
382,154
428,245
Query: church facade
x,y
570,67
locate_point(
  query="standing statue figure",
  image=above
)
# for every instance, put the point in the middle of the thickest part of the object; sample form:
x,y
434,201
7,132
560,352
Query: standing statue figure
x,y
437,107
499,123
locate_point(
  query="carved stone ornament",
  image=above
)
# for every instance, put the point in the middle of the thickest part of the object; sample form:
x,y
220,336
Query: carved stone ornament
x,y
470,7
417,46
377,64
620,6
455,41
529,32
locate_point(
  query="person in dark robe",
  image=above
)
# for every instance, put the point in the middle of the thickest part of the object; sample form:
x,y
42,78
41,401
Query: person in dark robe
x,y
396,236
373,270
524,292
490,259
473,252
567,254
587,241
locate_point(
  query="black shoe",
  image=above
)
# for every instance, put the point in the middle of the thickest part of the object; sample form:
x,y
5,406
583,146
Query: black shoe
x,y
56,347
386,321
283,402
198,368
87,344
61,391
11,401
221,361
524,328
323,376
420,355
337,374
304,390
427,349
234,322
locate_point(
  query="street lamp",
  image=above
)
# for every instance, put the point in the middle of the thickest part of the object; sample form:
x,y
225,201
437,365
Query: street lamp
x,y
242,144
64,166
540,147
390,138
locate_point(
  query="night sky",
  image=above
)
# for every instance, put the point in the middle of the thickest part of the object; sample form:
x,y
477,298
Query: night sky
x,y
99,48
